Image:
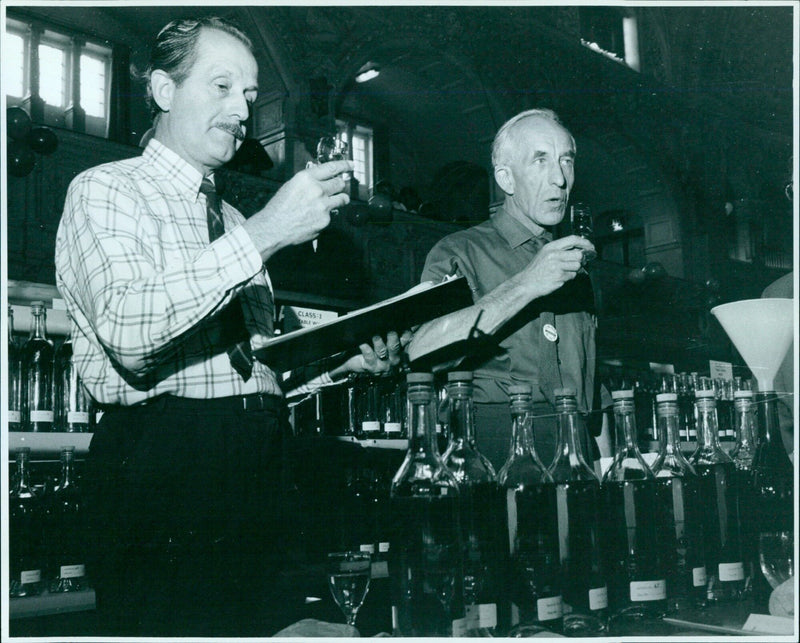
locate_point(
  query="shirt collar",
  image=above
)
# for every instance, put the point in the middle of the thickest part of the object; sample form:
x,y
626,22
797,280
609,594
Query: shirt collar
x,y
185,178
514,233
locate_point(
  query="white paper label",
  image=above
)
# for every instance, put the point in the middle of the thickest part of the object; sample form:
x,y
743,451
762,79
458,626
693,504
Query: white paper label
x,y
383,547
459,627
393,428
699,577
14,416
371,427
30,576
41,416
648,590
598,598
380,569
472,616
78,417
368,548
394,617
548,608
72,571
731,571
487,615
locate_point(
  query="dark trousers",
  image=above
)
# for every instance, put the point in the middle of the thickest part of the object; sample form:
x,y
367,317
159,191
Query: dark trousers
x,y
187,524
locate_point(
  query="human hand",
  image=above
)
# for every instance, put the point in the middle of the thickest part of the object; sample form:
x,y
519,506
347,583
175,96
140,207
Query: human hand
x,y
555,264
379,357
301,208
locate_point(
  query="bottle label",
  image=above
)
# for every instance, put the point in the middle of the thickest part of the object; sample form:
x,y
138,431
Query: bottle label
x,y
487,615
548,608
394,618
371,427
648,590
14,416
473,616
368,548
78,417
72,571
30,576
393,428
41,416
383,547
459,627
598,598
731,571
380,569
699,577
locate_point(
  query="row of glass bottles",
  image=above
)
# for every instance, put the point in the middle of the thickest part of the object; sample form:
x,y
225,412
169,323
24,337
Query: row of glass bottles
x,y
46,531
44,391
553,548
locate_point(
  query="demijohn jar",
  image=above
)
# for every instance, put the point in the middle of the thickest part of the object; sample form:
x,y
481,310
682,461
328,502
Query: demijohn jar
x,y
578,496
482,516
37,374
425,563
637,584
720,500
534,573
677,496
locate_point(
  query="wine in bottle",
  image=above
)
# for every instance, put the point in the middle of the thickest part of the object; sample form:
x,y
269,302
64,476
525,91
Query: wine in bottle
x,y
425,562
585,592
482,516
25,532
637,583
677,496
66,530
37,374
15,404
72,404
720,499
534,575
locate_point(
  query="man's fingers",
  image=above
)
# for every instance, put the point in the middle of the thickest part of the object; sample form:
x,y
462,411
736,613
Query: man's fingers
x,y
571,241
325,171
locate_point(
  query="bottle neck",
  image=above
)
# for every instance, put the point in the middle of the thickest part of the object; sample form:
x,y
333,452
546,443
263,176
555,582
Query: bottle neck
x,y
22,482
461,418
769,431
625,425
67,470
707,425
668,428
520,430
422,428
569,451
38,325
745,424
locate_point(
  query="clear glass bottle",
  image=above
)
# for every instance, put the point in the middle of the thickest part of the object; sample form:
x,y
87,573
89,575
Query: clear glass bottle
x,y
37,374
482,515
72,405
370,421
585,593
677,497
773,489
637,584
534,575
15,404
743,454
685,405
392,403
66,530
720,499
25,532
425,556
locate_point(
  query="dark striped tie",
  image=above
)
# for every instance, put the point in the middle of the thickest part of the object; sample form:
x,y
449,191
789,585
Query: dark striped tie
x,y
231,319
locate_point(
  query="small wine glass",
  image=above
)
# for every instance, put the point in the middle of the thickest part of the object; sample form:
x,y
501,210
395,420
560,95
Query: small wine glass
x,y
775,555
581,221
348,579
332,148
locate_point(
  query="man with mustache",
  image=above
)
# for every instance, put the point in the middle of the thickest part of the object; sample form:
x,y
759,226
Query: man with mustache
x,y
534,304
169,296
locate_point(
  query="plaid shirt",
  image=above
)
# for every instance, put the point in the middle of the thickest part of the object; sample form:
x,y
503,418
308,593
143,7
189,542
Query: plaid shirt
x,y
143,285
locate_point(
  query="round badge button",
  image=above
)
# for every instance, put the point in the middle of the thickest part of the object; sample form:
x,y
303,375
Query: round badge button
x,y
550,332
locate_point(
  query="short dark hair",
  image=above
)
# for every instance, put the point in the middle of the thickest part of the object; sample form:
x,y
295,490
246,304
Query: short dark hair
x,y
175,49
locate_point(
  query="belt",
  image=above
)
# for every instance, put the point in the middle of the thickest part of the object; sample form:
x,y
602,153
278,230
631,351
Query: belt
x,y
255,402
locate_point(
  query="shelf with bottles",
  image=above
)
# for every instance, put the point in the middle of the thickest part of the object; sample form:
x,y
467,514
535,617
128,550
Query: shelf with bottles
x,y
47,604
374,443
48,445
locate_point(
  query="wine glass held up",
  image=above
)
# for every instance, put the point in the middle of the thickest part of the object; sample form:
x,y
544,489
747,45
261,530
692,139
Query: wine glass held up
x,y
348,579
330,148
580,218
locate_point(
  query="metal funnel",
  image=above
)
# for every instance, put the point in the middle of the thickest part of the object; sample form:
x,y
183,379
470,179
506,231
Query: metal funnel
x,y
762,331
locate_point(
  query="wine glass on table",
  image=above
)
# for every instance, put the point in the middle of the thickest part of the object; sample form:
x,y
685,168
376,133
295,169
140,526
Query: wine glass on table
x,y
348,579
580,217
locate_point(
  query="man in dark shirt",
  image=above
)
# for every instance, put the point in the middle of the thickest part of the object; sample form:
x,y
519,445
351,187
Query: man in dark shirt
x,y
532,298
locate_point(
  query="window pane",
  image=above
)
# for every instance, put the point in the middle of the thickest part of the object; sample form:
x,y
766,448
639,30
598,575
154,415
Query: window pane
x,y
51,75
14,65
93,86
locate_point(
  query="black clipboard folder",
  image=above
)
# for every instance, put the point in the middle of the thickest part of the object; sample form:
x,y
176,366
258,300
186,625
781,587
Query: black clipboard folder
x,y
418,305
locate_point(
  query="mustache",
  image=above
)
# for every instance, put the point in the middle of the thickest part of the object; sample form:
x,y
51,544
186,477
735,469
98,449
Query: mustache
x,y
232,128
